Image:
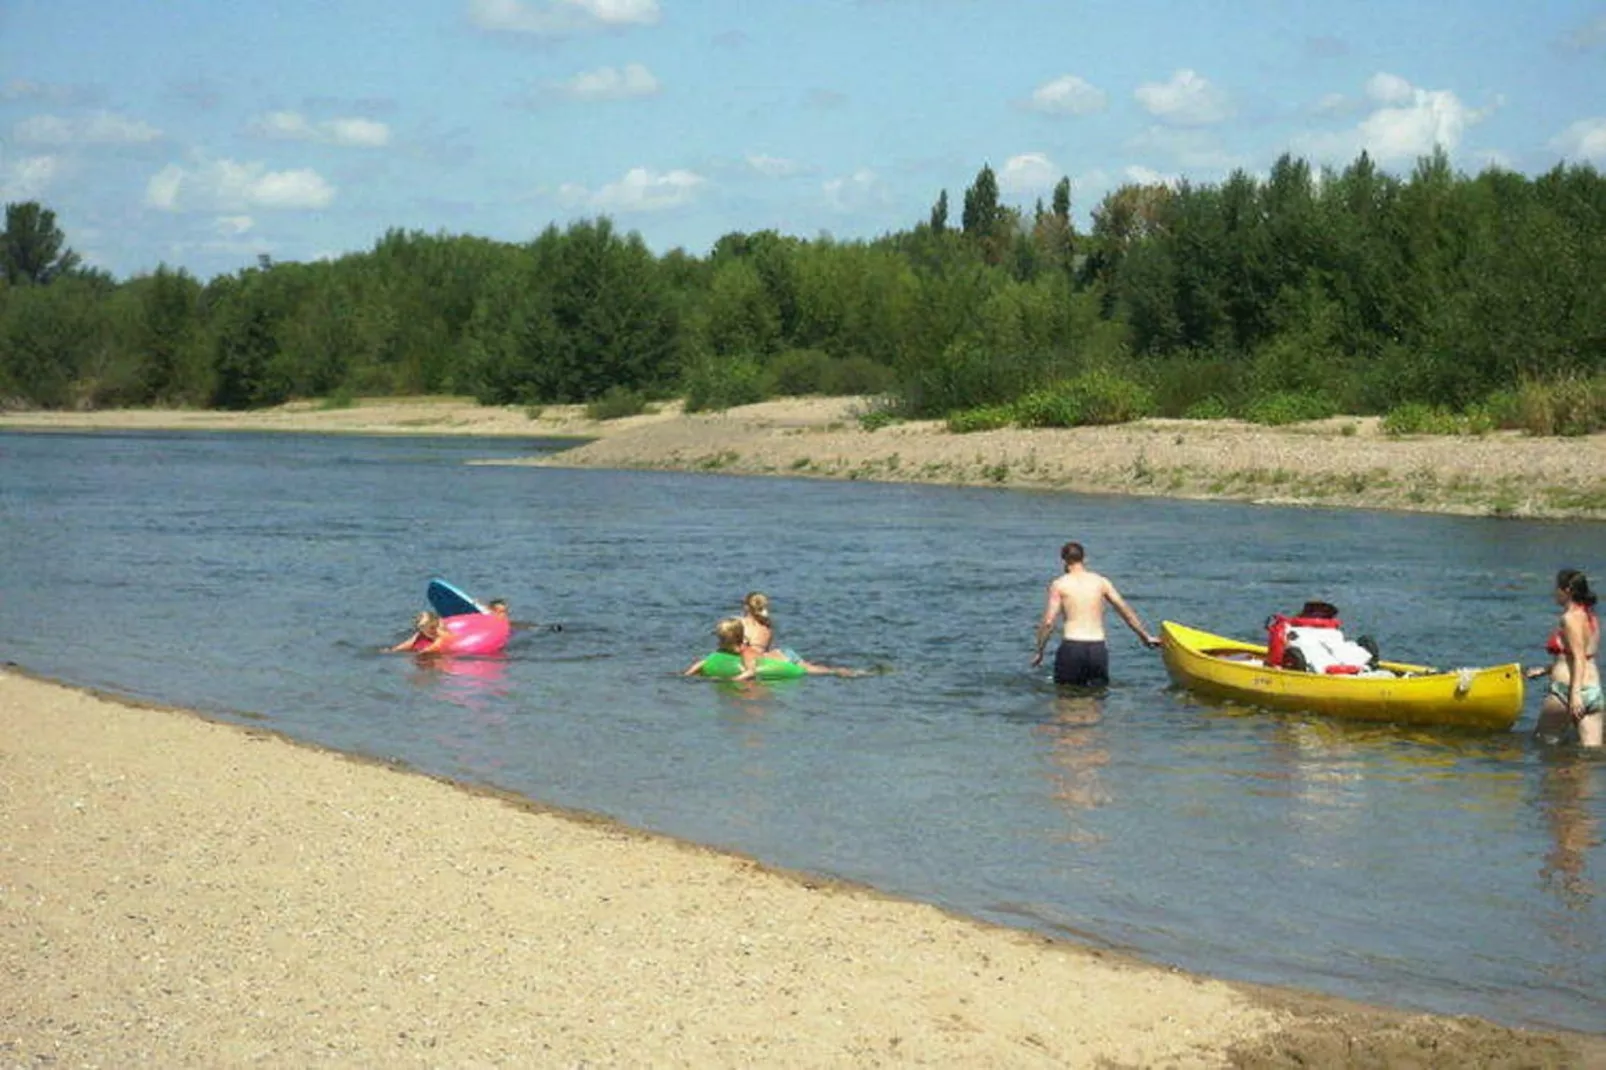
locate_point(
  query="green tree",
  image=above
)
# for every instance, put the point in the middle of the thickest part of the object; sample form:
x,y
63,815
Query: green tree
x,y
31,249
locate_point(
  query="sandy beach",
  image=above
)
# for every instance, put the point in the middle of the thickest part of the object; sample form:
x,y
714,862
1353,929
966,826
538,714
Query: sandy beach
x,y
180,892
1344,461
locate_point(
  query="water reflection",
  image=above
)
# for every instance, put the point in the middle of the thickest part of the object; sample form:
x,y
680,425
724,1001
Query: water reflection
x,y
1078,753
1566,790
474,683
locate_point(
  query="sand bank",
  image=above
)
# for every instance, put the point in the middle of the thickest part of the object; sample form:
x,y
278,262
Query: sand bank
x,y
179,893
1344,461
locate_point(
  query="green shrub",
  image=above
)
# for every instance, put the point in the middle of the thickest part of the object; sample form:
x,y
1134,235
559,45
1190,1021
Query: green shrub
x,y
1107,398
878,416
1183,383
724,382
1570,406
1416,418
965,374
1478,419
983,418
339,398
859,375
617,401
1502,408
1095,397
1046,408
798,372
1208,408
1289,408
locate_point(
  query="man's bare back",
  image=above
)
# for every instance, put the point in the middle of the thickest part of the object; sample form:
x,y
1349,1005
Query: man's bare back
x,y
1079,596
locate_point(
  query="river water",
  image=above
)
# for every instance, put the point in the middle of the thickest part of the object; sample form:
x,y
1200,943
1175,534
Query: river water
x,y
256,576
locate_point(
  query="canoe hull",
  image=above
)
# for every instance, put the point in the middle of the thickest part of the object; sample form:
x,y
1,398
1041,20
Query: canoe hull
x,y
1489,698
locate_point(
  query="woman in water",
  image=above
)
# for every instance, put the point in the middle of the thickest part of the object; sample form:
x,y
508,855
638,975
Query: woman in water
x,y
1575,697
428,636
732,636
758,635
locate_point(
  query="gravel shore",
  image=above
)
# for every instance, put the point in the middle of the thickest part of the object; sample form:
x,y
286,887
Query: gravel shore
x,y
182,893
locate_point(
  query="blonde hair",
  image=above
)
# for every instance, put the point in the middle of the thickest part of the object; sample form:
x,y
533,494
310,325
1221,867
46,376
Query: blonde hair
x,y
758,604
427,621
730,633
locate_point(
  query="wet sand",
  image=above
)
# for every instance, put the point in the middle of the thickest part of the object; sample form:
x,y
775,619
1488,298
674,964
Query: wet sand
x,y
180,892
1345,461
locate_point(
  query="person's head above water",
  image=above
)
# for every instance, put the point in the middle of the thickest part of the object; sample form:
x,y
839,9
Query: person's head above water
x,y
1574,585
497,606
729,632
758,604
1072,553
428,624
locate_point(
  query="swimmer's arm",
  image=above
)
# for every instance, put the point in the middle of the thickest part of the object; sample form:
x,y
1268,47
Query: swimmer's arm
x,y
1577,643
696,667
405,644
1045,627
1127,614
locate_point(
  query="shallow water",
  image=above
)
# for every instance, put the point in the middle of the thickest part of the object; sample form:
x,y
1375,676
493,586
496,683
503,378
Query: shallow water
x,y
256,576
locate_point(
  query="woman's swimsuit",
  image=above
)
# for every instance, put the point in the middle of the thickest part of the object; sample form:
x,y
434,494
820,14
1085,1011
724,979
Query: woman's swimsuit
x,y
1556,646
1593,698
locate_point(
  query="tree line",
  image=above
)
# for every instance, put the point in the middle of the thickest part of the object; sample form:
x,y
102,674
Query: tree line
x,y
1290,296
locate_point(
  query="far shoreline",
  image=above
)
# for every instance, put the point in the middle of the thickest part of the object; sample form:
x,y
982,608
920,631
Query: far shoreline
x,y
1343,462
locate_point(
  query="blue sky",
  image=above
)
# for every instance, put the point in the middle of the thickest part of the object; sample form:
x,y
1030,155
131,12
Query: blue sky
x,y
202,133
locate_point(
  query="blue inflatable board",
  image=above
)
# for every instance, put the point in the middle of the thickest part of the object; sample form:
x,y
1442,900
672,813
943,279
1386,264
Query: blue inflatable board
x,y
448,601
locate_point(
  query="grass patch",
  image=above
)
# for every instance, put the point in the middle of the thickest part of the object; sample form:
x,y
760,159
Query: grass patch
x,y
617,402
982,418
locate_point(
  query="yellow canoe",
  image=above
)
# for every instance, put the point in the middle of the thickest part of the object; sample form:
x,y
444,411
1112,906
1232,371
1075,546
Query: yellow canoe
x,y
1213,665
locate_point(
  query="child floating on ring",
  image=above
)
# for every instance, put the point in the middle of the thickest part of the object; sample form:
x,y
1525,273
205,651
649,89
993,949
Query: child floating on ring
x,y
735,660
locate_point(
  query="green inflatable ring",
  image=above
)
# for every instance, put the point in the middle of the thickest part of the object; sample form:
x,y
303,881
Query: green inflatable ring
x,y
723,666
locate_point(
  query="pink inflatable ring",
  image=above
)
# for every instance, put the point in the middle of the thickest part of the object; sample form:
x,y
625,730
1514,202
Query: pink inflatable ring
x,y
471,633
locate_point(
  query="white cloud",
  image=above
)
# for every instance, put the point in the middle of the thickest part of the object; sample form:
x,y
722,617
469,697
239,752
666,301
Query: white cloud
x,y
1385,88
640,190
348,132
228,186
1067,95
28,178
611,83
1187,100
28,89
1148,176
1030,172
772,166
558,18
99,128
232,226
858,191
1331,104
1408,122
1585,139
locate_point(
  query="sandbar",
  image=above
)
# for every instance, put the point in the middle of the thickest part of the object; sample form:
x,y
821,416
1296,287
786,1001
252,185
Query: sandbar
x,y
1344,461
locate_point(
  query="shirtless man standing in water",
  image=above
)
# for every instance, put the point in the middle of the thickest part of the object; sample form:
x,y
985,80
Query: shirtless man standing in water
x,y
1080,594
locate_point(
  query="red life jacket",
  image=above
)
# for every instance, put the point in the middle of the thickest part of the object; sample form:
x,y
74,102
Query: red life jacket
x,y
1277,627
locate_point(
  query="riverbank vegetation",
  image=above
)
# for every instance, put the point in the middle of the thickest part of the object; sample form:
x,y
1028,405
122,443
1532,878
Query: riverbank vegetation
x,y
1445,302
